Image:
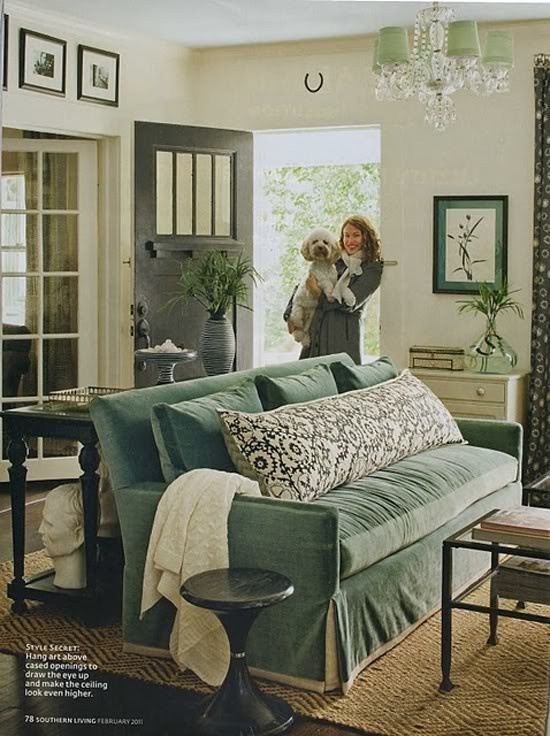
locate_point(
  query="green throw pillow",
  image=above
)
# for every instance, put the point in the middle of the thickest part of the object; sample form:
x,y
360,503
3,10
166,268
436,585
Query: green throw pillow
x,y
189,435
351,378
315,383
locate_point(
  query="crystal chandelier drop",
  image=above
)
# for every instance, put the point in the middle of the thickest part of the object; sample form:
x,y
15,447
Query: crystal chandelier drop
x,y
445,57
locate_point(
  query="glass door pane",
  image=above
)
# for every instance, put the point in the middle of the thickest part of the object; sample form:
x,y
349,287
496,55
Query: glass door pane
x,y
41,268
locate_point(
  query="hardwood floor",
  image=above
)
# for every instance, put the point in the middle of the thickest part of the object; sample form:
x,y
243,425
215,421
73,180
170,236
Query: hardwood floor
x,y
155,709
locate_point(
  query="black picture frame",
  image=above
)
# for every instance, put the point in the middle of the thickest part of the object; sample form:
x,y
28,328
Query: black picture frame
x,y
98,83
5,40
470,241
42,63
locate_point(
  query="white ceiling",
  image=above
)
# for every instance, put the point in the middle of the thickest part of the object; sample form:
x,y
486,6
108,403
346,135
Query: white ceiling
x,y
204,23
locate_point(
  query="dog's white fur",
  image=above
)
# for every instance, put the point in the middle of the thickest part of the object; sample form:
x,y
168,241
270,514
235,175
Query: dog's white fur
x,y
321,248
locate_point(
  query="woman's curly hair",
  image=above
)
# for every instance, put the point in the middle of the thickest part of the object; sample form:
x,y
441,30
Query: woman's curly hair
x,y
371,239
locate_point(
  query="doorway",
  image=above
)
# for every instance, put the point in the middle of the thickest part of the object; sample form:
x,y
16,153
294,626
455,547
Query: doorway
x,y
48,281
305,179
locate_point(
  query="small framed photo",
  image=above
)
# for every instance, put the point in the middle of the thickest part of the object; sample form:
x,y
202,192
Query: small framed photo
x,y
42,62
98,73
5,36
470,243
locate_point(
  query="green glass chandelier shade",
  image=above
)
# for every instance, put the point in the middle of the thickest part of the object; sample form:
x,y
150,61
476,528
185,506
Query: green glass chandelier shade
x,y
393,46
463,39
499,48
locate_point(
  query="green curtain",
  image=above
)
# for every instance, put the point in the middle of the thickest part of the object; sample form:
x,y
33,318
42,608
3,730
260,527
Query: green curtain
x,y
537,441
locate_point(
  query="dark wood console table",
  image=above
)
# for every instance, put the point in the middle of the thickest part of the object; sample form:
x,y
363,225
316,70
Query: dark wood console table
x,y
46,421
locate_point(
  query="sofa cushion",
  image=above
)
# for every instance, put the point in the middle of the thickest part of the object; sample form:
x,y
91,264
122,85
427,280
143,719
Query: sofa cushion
x,y
188,435
316,383
353,377
404,502
304,450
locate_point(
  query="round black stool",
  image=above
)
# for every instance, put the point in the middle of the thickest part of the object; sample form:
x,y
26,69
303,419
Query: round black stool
x,y
237,596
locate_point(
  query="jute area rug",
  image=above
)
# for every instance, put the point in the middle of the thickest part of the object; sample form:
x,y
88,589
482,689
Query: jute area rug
x,y
502,690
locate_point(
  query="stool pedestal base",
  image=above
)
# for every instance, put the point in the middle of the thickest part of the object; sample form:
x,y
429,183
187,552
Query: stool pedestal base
x,y
240,708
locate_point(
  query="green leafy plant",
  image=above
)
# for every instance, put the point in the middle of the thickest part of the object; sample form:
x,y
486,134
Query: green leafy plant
x,y
215,280
491,302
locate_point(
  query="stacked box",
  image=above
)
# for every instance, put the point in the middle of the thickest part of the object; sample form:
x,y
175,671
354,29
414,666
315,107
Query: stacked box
x,y
432,356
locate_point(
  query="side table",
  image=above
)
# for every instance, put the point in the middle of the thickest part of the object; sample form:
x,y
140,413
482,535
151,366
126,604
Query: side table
x,y
38,421
237,596
166,362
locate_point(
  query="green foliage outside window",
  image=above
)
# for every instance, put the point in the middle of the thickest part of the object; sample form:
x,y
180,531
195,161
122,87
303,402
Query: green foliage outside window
x,y
298,199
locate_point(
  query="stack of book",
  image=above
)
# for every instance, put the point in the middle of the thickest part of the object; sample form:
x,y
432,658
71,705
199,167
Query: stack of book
x,y
526,526
520,578
523,579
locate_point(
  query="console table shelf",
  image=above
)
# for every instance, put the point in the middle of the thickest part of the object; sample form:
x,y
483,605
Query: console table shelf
x,y
44,421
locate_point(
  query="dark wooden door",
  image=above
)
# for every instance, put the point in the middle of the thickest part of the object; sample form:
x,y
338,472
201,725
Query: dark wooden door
x,y
193,193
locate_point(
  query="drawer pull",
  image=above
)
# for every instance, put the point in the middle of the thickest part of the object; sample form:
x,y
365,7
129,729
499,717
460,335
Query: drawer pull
x,y
480,391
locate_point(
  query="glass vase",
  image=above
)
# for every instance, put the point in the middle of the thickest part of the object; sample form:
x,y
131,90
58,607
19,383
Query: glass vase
x,y
491,354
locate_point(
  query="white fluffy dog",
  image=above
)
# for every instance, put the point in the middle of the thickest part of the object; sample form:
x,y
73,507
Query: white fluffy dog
x,y
322,249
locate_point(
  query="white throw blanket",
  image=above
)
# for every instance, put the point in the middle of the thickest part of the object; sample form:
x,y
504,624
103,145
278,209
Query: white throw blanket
x,y
189,536
341,291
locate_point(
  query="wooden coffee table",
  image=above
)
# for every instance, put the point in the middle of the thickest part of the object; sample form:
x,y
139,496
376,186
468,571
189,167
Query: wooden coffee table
x,y
237,596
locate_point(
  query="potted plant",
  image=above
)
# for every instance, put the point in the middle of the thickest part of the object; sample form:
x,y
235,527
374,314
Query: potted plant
x,y
492,353
216,281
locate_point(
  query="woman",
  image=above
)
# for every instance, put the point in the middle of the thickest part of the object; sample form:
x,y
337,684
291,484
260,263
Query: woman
x,y
336,327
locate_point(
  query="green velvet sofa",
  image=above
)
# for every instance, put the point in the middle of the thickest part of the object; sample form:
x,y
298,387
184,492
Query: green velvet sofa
x,y
364,558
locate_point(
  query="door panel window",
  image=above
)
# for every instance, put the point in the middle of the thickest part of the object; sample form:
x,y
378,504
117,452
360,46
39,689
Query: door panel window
x,y
165,193
198,188
203,199
20,301
60,181
61,305
222,222
19,180
184,201
19,243
60,364
60,238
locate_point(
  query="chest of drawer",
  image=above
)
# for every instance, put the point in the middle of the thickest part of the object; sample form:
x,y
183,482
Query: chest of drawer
x,y
475,409
472,390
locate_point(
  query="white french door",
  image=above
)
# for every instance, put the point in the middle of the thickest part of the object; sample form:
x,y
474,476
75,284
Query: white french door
x,y
48,284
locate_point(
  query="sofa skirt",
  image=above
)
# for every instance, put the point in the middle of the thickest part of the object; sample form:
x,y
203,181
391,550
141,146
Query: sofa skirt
x,y
378,607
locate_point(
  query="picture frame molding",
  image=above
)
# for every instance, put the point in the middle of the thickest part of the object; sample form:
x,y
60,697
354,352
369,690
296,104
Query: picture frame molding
x,y
82,49
24,34
440,286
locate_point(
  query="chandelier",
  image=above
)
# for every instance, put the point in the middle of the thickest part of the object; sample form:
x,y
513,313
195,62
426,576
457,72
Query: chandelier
x,y
445,57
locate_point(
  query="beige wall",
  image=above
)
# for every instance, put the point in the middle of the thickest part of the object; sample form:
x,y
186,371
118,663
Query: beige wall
x,y
154,85
489,150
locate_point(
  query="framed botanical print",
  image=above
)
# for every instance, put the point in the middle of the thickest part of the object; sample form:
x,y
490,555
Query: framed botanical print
x,y
98,76
470,243
42,62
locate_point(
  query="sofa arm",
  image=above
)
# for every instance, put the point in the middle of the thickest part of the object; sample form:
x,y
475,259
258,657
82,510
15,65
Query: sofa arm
x,y
494,435
296,539
136,507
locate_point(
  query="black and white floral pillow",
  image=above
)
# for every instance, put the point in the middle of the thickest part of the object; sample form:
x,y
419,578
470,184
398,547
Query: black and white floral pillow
x,y
301,451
